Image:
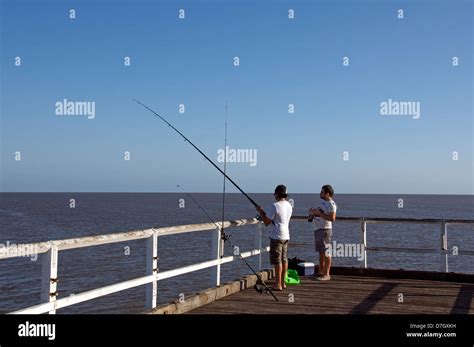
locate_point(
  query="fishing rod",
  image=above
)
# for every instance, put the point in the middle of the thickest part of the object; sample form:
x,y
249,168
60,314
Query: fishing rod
x,y
260,286
260,283
201,152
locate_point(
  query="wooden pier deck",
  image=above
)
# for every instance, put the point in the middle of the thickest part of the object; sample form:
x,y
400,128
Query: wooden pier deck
x,y
350,291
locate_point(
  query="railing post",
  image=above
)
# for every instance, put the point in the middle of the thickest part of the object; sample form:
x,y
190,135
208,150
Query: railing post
x,y
444,247
217,247
152,269
363,240
258,245
49,279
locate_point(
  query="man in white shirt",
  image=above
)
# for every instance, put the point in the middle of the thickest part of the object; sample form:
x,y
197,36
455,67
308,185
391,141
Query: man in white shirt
x,y
278,215
325,214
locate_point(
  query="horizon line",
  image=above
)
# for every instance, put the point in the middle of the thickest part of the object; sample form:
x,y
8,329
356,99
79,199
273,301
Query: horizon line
x,y
197,192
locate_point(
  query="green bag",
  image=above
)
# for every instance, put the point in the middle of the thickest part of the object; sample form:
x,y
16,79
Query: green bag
x,y
292,277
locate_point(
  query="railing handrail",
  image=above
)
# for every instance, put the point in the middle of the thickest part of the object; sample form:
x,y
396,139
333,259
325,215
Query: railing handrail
x,y
88,241
400,220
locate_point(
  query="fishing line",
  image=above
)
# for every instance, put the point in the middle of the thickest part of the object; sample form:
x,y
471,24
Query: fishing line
x,y
201,152
225,171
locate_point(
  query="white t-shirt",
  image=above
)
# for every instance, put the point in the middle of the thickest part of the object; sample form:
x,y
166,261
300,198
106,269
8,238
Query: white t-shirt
x,y
280,213
327,207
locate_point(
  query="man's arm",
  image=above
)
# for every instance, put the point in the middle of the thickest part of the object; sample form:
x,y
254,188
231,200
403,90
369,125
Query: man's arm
x,y
262,213
331,216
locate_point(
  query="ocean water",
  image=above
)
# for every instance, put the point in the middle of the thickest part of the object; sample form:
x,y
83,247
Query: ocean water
x,y
36,217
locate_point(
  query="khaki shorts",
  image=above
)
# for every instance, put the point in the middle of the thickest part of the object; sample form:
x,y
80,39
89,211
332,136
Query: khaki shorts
x,y
278,251
322,240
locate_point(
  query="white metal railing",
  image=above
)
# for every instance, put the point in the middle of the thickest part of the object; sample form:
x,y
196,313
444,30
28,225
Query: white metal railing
x,y
50,251
443,223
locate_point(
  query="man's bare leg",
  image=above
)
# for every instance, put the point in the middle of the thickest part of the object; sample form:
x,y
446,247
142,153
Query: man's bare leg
x,y
283,275
322,259
278,272
327,264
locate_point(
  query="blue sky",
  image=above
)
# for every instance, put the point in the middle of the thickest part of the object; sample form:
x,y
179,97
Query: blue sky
x,y
282,62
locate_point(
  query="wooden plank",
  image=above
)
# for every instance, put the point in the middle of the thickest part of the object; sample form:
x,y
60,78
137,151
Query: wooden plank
x,y
409,274
352,294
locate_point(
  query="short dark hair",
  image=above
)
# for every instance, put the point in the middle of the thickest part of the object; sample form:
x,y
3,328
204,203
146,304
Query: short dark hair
x,y
280,191
328,189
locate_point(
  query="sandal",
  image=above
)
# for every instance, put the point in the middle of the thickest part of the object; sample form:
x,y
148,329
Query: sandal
x,y
324,278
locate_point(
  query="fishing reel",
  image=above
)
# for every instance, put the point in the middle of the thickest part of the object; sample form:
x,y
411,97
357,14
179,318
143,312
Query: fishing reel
x,y
225,237
260,286
259,218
